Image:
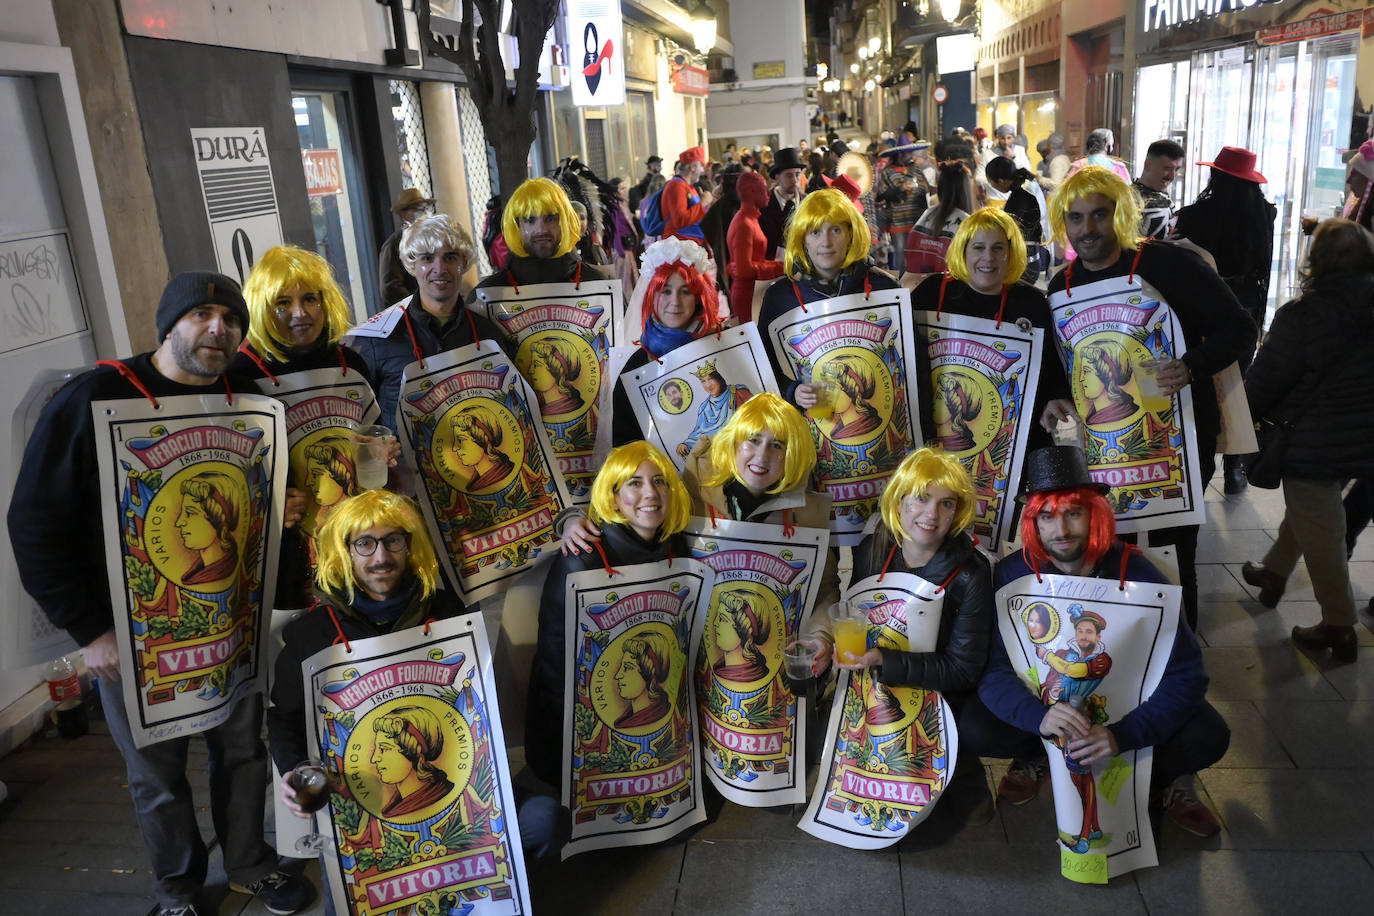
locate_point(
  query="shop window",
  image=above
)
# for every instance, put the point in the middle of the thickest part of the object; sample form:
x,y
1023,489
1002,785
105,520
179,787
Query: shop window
x,y
324,127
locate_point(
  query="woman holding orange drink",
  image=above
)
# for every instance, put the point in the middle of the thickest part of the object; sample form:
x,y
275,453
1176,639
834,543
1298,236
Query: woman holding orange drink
x,y
927,509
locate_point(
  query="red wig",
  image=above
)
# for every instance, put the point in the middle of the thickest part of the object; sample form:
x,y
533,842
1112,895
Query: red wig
x,y
708,304
1101,522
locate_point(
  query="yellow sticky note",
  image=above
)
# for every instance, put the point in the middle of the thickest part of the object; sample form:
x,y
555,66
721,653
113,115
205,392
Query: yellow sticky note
x,y
1084,867
1116,775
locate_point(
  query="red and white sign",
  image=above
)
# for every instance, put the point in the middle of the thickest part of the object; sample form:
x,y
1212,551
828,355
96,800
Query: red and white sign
x,y
690,79
323,172
940,94
1313,27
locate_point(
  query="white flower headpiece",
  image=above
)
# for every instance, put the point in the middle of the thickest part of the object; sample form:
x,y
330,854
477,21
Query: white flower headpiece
x,y
675,249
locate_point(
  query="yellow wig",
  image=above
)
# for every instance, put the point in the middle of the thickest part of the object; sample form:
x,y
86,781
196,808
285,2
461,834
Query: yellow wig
x,y
280,270
537,197
619,467
827,206
334,569
987,218
1094,179
922,468
429,234
764,411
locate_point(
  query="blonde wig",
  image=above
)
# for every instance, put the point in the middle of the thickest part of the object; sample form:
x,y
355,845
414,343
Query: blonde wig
x,y
278,271
434,233
1094,179
914,475
620,465
764,411
334,569
987,218
816,208
536,197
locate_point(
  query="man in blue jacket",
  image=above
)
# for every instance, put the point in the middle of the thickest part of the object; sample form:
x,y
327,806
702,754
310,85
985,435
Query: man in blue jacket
x,y
1068,528
437,252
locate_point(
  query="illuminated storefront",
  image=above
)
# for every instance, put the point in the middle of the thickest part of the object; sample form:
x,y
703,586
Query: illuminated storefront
x,y
1277,77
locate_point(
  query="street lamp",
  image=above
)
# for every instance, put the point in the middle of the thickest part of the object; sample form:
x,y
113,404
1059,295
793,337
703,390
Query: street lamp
x,y
703,26
874,45
863,52
854,69
950,9
868,85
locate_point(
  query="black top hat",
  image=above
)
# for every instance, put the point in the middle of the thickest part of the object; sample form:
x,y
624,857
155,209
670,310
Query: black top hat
x,y
784,159
838,148
1057,467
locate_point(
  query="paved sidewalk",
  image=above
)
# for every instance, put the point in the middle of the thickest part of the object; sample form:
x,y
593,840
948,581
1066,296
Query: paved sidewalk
x,y
1294,793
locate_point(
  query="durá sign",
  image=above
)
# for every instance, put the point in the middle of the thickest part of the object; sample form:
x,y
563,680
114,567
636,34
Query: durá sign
x,y
236,147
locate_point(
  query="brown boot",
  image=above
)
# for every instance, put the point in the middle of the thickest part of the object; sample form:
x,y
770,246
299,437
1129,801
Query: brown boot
x,y
1340,640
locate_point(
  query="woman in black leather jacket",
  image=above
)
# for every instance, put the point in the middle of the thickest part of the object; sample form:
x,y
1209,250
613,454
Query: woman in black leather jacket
x,y
927,509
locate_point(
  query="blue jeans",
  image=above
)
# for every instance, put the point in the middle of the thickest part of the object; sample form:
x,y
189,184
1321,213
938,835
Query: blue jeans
x,y
167,812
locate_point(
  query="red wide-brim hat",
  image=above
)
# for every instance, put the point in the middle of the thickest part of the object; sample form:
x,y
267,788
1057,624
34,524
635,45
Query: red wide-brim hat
x,y
1238,163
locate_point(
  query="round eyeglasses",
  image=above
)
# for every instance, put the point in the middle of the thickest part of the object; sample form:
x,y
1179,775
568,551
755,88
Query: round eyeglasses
x,y
366,545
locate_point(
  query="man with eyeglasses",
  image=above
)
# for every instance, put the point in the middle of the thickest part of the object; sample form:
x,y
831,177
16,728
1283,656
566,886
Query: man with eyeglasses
x,y
376,573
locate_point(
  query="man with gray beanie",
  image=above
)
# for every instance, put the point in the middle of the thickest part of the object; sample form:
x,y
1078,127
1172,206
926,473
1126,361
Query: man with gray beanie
x,y
56,529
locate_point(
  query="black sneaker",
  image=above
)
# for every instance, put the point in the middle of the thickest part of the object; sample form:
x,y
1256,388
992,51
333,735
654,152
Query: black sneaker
x,y
279,892
184,909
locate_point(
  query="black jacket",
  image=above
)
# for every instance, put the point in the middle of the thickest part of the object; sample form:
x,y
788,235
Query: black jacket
x,y
961,649
544,708
1316,370
773,221
314,630
780,298
541,270
1216,329
55,523
1023,301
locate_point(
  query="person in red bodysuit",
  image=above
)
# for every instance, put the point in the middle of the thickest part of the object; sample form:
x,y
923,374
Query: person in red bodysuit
x,y
749,246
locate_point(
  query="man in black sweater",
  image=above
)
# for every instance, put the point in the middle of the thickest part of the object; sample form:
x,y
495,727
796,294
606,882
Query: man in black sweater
x,y
1097,213
56,529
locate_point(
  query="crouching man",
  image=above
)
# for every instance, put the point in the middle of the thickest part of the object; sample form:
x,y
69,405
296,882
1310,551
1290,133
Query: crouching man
x,y
1068,528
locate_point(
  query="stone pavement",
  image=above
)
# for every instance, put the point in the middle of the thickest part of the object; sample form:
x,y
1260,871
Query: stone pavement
x,y
1293,793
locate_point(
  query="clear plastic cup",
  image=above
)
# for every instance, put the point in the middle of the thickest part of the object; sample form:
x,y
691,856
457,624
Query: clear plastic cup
x,y
374,445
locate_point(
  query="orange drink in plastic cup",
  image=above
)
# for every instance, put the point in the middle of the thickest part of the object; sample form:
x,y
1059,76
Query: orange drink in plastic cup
x,y
850,626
